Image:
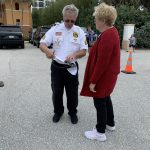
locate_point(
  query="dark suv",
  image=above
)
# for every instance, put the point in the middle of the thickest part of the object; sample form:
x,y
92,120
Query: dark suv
x,y
11,36
39,33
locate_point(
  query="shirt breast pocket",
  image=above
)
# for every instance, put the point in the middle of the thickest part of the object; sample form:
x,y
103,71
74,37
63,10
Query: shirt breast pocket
x,y
57,42
75,43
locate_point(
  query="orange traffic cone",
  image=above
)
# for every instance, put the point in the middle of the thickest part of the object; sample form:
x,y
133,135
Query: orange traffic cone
x,y
128,69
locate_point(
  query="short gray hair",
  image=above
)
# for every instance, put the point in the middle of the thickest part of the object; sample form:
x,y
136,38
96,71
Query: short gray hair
x,y
71,9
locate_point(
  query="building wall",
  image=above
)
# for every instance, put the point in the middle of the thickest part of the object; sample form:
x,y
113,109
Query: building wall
x,y
1,12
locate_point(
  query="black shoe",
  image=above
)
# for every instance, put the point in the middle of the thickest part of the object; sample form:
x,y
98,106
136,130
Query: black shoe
x,y
74,119
1,84
56,118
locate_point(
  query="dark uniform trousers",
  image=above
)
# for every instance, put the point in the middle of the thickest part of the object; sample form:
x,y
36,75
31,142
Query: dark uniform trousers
x,y
105,114
61,78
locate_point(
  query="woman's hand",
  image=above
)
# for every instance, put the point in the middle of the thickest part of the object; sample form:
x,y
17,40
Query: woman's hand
x,y
92,87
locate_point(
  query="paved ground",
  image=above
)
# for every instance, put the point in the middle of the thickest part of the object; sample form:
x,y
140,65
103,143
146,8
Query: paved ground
x,y
26,107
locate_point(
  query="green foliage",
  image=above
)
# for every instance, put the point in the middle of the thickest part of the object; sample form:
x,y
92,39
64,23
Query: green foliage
x,y
143,36
53,13
132,15
35,17
128,13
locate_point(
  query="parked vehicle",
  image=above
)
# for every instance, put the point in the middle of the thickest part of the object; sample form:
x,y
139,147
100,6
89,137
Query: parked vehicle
x,y
39,33
11,36
31,35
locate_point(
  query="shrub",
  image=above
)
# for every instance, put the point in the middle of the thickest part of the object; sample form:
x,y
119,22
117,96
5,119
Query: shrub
x,y
143,36
132,15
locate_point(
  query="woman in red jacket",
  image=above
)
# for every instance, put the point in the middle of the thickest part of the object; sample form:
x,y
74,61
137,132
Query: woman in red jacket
x,y
102,69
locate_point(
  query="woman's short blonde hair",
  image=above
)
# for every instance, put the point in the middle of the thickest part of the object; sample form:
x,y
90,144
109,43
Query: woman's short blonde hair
x,y
106,13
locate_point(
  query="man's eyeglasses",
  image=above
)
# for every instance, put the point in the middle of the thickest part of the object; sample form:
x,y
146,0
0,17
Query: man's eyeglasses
x,y
72,21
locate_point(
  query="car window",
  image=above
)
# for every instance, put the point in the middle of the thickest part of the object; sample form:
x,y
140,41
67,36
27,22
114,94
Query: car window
x,y
9,29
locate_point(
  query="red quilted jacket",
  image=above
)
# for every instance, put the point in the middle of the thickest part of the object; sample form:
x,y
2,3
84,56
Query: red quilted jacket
x,y
103,65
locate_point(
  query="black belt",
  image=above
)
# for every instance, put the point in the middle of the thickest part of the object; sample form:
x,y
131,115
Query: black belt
x,y
66,65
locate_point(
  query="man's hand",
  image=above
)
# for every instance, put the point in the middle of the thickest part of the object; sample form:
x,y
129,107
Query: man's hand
x,y
71,57
76,55
92,87
49,52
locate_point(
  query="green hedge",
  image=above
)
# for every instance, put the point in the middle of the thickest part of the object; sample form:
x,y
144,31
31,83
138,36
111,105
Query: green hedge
x,y
126,15
143,36
141,19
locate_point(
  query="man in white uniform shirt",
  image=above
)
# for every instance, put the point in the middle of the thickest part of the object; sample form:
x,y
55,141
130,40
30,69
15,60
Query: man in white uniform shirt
x,y
69,44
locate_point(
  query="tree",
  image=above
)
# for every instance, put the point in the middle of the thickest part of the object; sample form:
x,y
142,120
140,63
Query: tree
x,y
36,18
146,3
135,3
53,13
31,1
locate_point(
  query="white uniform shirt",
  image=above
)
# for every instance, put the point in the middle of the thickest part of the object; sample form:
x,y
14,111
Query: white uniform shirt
x,y
65,42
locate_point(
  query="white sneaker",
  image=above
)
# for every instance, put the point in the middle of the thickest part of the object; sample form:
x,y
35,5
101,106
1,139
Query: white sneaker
x,y
110,128
94,135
